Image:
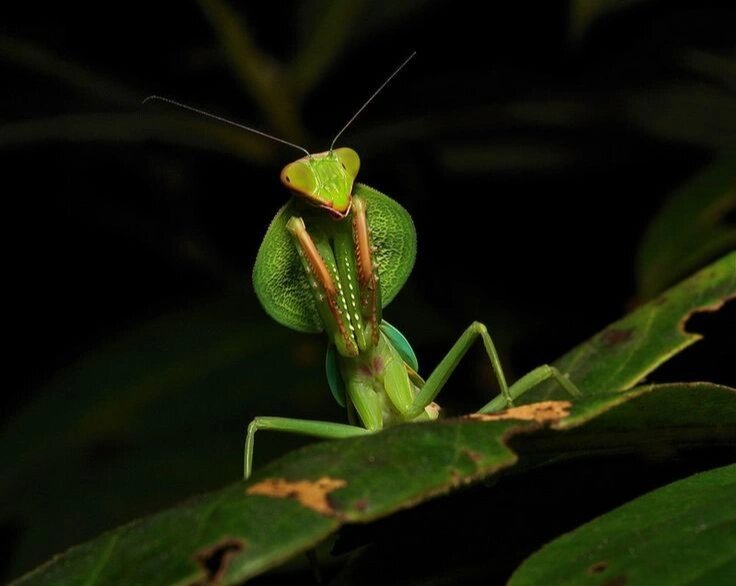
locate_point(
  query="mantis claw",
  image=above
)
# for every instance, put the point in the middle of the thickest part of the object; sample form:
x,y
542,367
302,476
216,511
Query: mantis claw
x,y
328,302
367,269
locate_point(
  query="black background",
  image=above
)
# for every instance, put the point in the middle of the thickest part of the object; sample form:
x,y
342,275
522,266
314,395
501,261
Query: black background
x,y
538,241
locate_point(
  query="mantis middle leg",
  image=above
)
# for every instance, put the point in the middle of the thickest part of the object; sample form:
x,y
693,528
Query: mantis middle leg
x,y
528,382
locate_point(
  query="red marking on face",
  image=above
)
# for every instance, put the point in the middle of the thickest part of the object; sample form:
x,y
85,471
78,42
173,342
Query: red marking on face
x,y
337,214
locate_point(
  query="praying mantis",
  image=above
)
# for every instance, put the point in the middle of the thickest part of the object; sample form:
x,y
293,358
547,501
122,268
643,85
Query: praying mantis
x,y
332,258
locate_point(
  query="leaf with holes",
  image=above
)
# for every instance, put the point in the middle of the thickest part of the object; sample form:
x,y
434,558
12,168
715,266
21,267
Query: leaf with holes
x,y
625,352
116,428
294,503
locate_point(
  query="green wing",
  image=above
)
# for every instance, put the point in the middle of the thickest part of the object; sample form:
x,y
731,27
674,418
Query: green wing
x,y
399,341
278,277
394,238
334,378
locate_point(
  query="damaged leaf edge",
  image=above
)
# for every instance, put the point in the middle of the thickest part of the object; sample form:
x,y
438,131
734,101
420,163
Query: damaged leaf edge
x,y
689,338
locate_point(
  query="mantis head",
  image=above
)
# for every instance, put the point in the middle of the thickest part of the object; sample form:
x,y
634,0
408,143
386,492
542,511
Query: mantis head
x,y
324,179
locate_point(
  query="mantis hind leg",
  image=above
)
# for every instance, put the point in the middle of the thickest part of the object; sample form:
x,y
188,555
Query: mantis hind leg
x,y
447,365
528,382
319,429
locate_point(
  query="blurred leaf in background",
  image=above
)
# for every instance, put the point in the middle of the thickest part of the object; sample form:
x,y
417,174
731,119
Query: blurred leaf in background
x,y
156,415
377,475
695,225
584,13
635,543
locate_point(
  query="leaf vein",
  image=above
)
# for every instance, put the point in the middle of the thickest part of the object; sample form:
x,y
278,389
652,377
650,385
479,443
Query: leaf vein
x,y
104,558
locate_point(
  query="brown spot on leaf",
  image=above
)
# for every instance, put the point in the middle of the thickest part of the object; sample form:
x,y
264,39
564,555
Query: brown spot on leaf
x,y
541,412
361,505
312,494
474,456
215,559
455,477
598,567
617,581
661,300
616,336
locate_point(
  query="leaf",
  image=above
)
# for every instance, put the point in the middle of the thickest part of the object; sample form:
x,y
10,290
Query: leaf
x,y
176,395
190,131
689,230
97,434
683,533
297,501
259,76
698,114
584,13
331,27
41,60
509,158
714,66
328,28
623,354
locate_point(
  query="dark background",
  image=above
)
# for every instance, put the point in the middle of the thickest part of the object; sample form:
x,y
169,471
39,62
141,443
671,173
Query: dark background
x,y
532,145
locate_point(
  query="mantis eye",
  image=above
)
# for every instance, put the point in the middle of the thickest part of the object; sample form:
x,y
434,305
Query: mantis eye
x,y
298,176
349,160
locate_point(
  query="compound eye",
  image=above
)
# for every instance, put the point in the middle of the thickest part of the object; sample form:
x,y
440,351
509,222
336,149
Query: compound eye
x,y
299,177
349,160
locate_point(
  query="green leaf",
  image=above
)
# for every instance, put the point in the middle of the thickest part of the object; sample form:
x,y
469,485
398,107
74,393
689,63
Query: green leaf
x,y
96,432
698,114
689,230
584,13
508,157
714,66
186,130
39,59
297,501
331,27
683,533
154,416
624,353
258,74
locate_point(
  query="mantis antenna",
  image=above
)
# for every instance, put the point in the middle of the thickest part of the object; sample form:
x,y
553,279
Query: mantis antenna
x,y
226,121
369,100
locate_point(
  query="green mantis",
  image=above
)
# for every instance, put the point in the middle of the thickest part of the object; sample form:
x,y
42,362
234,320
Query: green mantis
x,y
332,259
331,267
